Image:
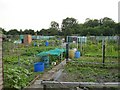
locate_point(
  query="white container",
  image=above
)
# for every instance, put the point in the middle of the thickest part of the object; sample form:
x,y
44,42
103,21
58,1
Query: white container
x,y
75,49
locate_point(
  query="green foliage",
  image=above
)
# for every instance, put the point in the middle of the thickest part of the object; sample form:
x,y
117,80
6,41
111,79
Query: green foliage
x,y
10,59
95,49
19,62
1,31
73,45
30,31
53,58
54,25
16,78
53,31
68,26
13,32
91,23
104,26
52,42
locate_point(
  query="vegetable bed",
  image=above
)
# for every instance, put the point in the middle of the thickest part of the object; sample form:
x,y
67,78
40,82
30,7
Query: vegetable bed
x,y
19,64
76,70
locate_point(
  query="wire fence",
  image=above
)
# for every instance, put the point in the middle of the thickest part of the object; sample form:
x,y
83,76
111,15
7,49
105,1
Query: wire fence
x,y
91,46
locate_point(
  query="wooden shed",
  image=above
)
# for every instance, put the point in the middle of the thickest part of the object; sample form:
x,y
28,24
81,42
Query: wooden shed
x,y
27,39
1,64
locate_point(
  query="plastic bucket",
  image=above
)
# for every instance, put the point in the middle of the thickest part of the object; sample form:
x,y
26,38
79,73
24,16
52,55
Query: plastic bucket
x,y
39,67
77,54
46,43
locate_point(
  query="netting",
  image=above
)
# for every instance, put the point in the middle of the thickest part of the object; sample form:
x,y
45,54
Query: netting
x,y
56,51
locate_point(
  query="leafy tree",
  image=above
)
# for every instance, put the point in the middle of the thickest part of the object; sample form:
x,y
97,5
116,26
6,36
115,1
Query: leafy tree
x,y
52,31
3,31
68,25
29,31
54,25
26,31
107,22
117,28
13,32
107,31
38,32
21,32
77,29
44,32
91,23
54,28
105,26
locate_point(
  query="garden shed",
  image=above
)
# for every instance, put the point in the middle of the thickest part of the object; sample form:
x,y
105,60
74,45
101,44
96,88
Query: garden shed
x,y
27,39
77,39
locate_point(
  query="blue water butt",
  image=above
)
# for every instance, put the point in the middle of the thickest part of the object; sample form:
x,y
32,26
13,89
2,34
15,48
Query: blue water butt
x,y
77,54
46,43
39,67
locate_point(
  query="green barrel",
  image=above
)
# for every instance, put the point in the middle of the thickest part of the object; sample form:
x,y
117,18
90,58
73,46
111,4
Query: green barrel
x,y
45,59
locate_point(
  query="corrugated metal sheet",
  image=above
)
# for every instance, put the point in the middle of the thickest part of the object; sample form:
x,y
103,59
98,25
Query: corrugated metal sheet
x,y
1,67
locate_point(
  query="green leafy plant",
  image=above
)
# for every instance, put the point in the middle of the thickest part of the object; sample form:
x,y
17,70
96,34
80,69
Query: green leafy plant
x,y
16,78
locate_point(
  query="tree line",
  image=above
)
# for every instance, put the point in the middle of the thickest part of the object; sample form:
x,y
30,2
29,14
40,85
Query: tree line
x,y
70,26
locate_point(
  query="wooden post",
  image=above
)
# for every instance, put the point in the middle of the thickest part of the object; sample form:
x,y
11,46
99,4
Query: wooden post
x,y
77,42
44,87
103,51
67,39
67,51
81,44
82,84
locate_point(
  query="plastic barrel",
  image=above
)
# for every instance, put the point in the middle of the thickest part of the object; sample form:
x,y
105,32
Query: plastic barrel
x,y
46,43
71,54
29,37
45,59
39,67
77,54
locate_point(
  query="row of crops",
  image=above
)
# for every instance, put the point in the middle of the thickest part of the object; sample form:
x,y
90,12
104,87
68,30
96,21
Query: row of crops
x,y
19,62
82,71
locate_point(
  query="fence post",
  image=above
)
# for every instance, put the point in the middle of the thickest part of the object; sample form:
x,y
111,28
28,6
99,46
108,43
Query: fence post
x,y
103,51
81,46
44,87
67,51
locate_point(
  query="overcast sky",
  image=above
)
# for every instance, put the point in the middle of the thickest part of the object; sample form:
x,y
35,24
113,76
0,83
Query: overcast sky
x,y
37,14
